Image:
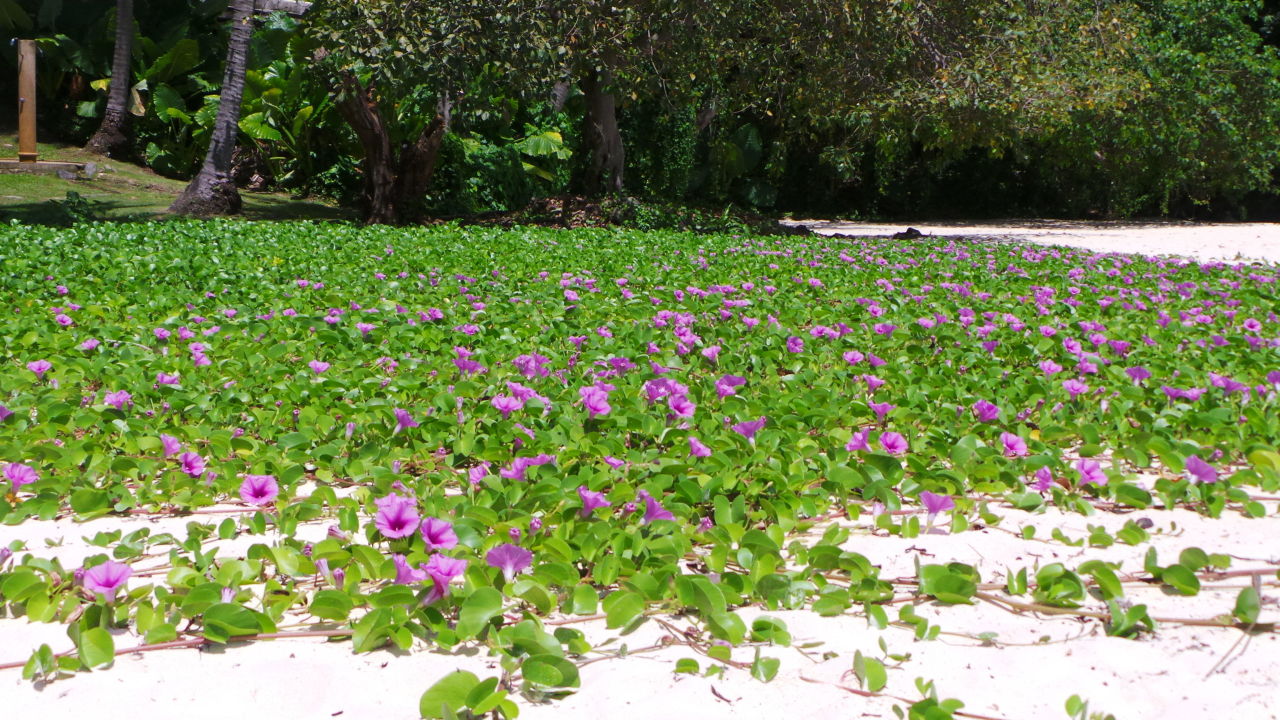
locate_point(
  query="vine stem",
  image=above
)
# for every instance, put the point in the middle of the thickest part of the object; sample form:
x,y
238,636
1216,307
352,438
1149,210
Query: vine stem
x,y
199,642
1020,607
870,694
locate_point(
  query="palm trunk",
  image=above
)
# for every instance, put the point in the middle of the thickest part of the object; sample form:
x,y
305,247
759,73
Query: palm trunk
x,y
112,138
212,191
602,137
393,181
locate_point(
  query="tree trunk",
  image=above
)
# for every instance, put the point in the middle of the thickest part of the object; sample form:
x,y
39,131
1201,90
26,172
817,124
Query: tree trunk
x,y
393,181
602,137
112,138
212,191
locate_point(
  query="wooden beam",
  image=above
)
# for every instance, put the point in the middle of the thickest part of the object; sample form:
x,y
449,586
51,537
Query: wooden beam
x,y
27,101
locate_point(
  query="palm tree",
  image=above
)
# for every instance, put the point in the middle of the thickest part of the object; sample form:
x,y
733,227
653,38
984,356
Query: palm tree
x,y
212,191
112,138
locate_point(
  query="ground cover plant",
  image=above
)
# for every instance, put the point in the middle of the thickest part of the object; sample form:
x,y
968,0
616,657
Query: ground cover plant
x,y
452,437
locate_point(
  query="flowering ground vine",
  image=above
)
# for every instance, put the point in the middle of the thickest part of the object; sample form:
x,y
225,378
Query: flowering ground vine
x,y
481,434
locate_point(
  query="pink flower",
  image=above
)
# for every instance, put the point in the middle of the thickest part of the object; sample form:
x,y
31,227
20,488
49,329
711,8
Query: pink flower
x,y
442,570
19,475
318,366
89,344
118,399
1074,387
893,443
107,578
591,501
39,367
985,411
859,441
397,517
406,575
697,448
438,534
171,445
259,489
1090,472
506,404
192,464
595,400
1014,445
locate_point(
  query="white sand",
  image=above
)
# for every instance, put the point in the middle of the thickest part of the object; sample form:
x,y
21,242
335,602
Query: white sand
x,y
1201,241
1031,667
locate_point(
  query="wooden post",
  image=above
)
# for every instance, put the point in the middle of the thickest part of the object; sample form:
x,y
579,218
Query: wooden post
x,y
27,101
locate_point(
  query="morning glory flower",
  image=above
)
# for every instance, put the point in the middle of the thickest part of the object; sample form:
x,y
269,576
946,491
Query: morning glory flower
x,y
318,366
167,379
653,510
259,489
591,501
192,464
893,443
397,517
365,328
1074,387
510,559
89,344
172,446
748,429
595,400
1201,471
39,367
1044,478
1049,367
795,344
442,570
985,411
506,404
438,534
881,409
728,385
859,441
107,578
406,574
697,448
934,504
404,420
1090,472
118,399
18,475
1014,445
1137,373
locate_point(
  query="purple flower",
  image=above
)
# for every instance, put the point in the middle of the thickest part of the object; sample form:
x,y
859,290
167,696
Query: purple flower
x,y
595,400
397,517
166,379
63,319
795,344
405,574
510,559
519,466
1014,445
881,409
192,464
728,385
365,328
107,578
859,441
19,475
259,489
118,399
748,429
697,448
591,501
438,534
442,570
1044,478
39,367
1137,373
162,333
171,445
1201,471
893,443
1090,472
1075,387
404,420
934,503
985,411
1049,367
506,404
89,344
318,366
5,413
654,511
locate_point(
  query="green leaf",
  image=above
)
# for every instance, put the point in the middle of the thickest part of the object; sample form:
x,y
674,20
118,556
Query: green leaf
x,y
1248,606
621,607
870,672
584,601
1181,579
331,605
96,647
448,695
477,610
